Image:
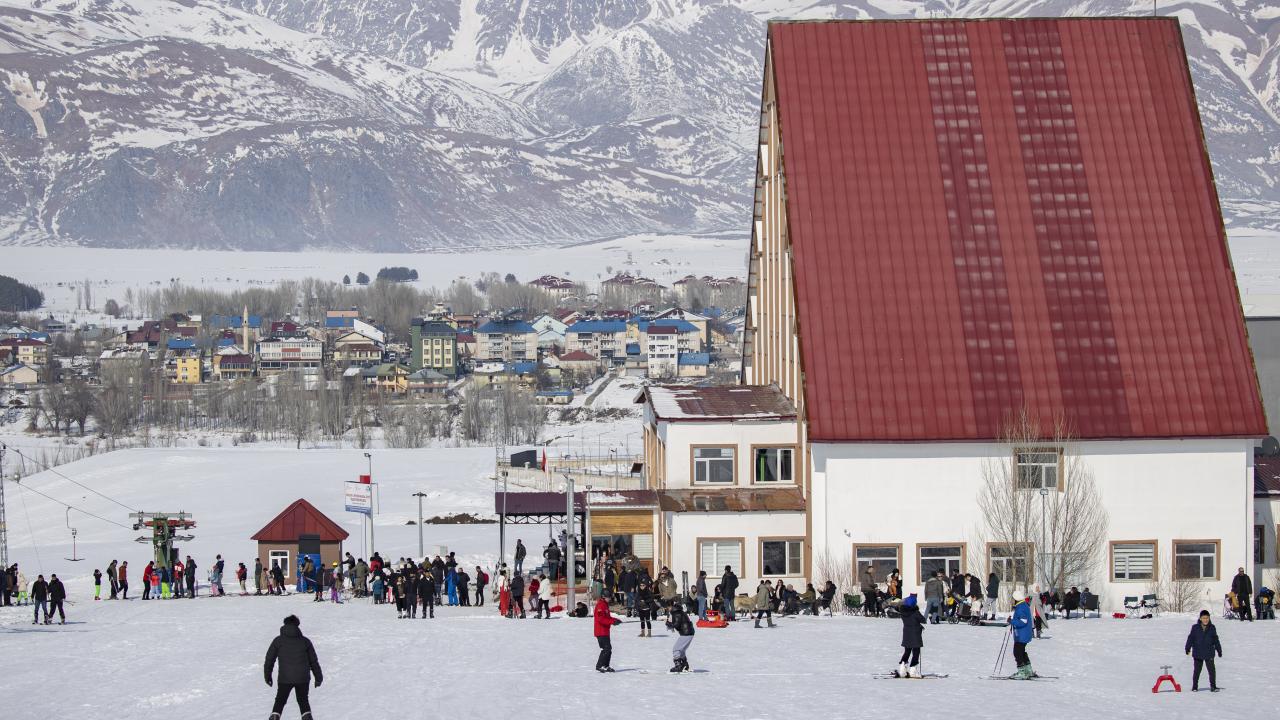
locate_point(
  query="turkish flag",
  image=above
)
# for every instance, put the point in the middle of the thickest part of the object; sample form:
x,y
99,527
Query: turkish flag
x,y
366,479
544,459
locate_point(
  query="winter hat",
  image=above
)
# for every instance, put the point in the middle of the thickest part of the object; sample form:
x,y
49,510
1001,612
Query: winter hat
x,y
292,620
1204,613
910,601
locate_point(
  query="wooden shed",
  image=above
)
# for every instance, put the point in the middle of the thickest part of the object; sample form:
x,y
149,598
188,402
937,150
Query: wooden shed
x,y
300,529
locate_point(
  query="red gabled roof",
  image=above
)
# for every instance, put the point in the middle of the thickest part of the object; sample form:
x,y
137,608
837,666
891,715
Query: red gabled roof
x,y
990,215
300,518
578,355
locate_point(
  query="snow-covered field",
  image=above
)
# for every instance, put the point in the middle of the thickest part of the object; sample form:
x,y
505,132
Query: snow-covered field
x,y
203,659
665,258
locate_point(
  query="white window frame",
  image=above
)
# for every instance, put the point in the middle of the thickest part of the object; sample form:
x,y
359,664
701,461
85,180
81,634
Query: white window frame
x,y
1123,554
276,554
1032,468
718,562
794,552
1215,556
696,462
777,464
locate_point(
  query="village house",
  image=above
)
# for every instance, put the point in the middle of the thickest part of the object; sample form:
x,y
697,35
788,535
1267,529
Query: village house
x,y
427,382
184,362
558,287
1004,276
231,363
551,332
299,530
19,376
694,365
295,353
662,351
34,353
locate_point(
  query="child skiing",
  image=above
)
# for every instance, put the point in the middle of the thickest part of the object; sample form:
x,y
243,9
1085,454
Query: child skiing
x,y
97,585
1201,645
604,623
684,637
1022,625
912,639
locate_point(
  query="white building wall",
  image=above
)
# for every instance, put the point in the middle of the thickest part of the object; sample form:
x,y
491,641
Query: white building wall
x,y
1266,512
926,493
679,439
687,528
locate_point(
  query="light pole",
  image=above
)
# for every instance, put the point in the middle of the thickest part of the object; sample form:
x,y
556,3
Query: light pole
x,y
369,458
569,550
1044,498
502,526
588,546
419,495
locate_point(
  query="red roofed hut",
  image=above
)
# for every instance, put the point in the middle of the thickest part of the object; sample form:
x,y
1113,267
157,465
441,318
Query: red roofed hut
x,y
300,529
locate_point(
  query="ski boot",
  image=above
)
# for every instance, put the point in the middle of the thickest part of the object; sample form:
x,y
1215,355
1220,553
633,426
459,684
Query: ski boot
x,y
901,672
914,672
677,667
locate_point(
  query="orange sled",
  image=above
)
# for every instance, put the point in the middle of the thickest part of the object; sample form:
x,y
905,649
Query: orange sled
x,y
714,620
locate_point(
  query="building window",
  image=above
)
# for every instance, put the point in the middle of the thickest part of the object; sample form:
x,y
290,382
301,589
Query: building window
x,y
947,558
713,555
1038,469
773,465
882,559
713,465
1195,559
781,558
1259,544
1010,563
280,557
1133,561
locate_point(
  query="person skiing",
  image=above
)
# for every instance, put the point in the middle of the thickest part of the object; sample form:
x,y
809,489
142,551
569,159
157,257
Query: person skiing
x,y
729,591
683,626
40,598
1202,643
57,595
335,584
215,578
1022,625
520,554
603,625
97,584
912,639
763,602
1242,588
298,663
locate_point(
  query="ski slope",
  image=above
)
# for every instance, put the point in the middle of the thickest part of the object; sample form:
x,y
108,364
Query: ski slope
x,y
203,659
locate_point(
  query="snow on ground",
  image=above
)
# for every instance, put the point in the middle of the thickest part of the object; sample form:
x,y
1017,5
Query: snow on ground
x,y
665,258
203,659
232,493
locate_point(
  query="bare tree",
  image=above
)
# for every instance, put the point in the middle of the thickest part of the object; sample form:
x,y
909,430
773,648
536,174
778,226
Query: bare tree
x,y
1175,593
1040,509
119,401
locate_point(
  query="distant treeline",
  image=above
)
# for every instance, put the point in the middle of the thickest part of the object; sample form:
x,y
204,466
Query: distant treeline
x,y
398,274
16,297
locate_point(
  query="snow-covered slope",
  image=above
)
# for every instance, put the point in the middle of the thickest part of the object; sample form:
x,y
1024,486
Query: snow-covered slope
x,y
282,124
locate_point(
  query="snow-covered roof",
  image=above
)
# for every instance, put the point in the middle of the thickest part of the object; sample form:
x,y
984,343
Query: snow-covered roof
x,y
718,402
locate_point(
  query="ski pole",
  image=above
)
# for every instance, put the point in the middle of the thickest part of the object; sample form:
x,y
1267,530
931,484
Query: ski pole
x,y
995,670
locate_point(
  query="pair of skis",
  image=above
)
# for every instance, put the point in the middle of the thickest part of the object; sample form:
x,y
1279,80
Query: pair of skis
x,y
941,676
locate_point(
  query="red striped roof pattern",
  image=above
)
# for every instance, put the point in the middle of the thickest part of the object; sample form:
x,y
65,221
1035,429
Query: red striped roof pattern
x,y
300,518
991,215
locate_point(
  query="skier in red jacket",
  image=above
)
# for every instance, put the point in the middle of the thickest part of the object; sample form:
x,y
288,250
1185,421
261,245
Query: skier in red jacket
x,y
604,623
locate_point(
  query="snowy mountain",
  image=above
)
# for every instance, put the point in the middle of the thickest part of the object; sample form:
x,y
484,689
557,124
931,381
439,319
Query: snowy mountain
x,y
289,124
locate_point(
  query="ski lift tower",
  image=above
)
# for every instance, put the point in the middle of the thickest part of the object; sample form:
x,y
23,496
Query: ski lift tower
x,y
164,531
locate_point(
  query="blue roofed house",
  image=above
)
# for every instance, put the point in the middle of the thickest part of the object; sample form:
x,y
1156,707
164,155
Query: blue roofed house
x,y
694,364
606,339
507,340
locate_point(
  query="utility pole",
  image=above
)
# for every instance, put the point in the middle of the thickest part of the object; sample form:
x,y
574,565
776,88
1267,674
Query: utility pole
x,y
4,523
500,449
419,495
569,550
369,457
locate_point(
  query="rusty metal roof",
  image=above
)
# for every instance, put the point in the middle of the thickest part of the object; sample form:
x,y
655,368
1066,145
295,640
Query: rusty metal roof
x,y
300,518
991,215
1266,476
718,402
732,500
551,503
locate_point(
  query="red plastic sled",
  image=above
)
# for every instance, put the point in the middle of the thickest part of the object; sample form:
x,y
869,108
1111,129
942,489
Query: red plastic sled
x,y
714,620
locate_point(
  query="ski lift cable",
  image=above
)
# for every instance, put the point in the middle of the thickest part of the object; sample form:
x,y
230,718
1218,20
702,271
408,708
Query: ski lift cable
x,y
49,468
31,533
23,486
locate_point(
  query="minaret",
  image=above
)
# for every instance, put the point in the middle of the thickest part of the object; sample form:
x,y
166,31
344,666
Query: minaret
x,y
244,330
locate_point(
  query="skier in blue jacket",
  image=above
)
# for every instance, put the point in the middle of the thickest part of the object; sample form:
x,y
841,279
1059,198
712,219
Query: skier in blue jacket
x,y
1023,627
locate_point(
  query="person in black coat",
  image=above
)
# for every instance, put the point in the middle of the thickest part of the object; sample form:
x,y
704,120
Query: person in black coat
x,y
40,598
411,593
683,625
1242,586
1202,645
993,594
298,663
517,596
427,594
912,638
729,591
57,594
